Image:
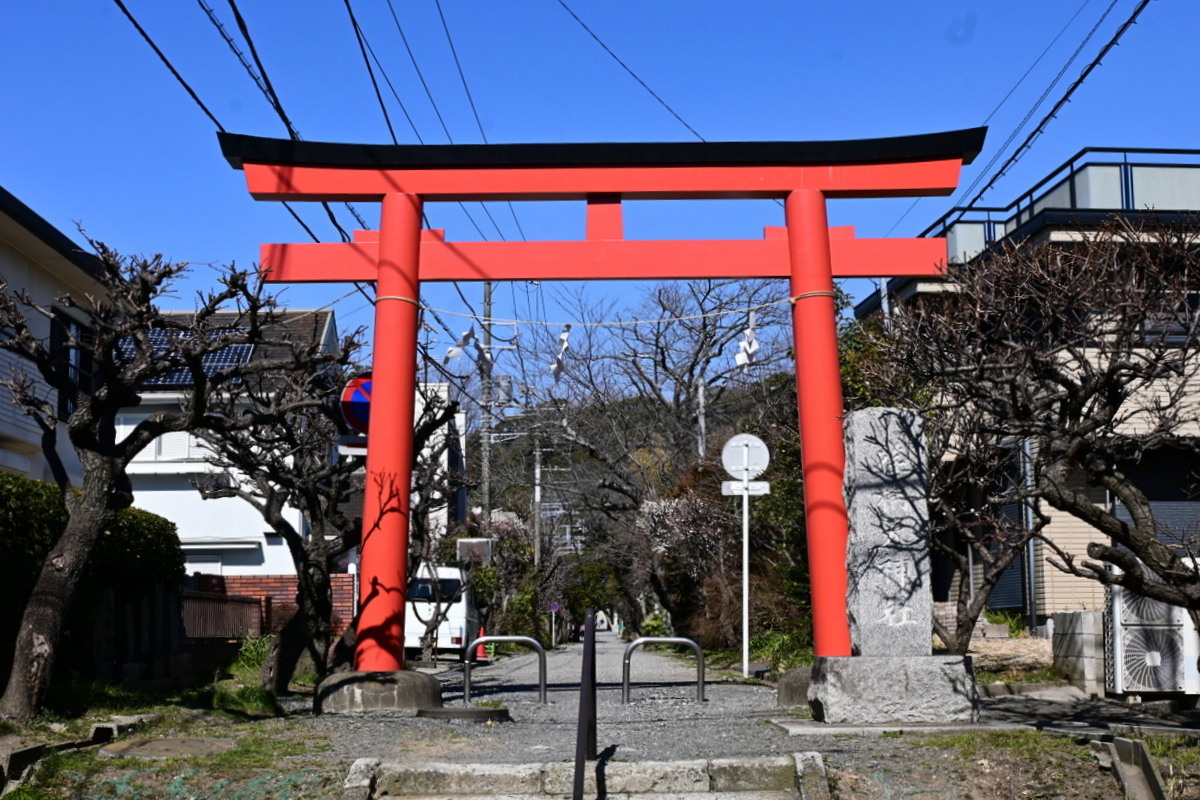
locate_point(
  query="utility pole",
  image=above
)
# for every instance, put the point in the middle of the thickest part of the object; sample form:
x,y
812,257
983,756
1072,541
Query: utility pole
x,y
485,436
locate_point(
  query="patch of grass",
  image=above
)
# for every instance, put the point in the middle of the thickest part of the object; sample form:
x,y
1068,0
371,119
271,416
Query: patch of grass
x,y
1027,745
784,650
489,704
58,774
1181,751
76,695
891,734
250,700
1042,675
27,793
253,753
1011,619
251,657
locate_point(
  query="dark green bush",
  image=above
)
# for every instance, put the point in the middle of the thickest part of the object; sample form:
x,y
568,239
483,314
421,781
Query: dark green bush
x,y
139,549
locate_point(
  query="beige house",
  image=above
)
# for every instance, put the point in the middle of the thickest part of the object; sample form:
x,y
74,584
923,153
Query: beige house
x,y
1095,185
38,258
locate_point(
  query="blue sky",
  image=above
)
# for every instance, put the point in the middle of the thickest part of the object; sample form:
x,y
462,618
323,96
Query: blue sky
x,y
95,130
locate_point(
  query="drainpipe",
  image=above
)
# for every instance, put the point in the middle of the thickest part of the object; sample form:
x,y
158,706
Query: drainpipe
x,y
1027,513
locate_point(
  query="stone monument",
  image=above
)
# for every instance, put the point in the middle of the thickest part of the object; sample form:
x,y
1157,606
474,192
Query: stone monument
x,y
892,675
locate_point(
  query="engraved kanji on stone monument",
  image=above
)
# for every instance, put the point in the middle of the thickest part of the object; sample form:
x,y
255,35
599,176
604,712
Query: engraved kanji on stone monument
x,y
889,600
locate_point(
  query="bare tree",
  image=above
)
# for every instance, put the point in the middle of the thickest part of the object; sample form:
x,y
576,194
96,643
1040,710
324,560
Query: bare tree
x,y
282,452
436,479
1081,359
104,350
653,388
641,403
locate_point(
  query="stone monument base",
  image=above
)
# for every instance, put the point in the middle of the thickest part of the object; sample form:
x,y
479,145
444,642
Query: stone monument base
x,y
352,692
890,689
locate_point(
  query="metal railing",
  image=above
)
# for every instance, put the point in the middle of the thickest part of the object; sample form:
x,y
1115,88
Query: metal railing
x,y
529,640
636,643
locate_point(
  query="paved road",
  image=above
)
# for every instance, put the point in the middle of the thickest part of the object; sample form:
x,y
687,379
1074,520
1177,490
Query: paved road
x,y
514,679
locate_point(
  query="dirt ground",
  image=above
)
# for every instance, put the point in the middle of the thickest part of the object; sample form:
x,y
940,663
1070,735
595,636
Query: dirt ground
x,y
986,765
1023,653
286,758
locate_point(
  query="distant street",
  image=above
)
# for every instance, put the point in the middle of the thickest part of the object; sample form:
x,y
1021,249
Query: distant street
x,y
515,678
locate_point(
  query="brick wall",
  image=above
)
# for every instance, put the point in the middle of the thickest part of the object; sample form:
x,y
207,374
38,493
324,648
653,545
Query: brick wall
x,y
281,590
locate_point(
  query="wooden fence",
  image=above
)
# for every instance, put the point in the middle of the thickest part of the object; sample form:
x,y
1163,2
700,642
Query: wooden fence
x,y
213,616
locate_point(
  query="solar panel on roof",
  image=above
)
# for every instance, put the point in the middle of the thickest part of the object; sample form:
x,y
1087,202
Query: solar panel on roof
x,y
163,340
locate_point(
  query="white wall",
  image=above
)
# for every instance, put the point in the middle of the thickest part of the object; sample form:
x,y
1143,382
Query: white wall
x,y
228,529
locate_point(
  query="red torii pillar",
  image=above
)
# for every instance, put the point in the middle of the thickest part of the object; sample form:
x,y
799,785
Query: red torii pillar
x,y
400,257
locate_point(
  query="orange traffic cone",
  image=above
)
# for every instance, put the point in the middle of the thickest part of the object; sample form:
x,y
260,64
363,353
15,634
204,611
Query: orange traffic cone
x,y
481,650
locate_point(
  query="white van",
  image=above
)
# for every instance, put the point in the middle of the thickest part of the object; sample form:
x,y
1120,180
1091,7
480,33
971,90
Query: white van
x,y
452,595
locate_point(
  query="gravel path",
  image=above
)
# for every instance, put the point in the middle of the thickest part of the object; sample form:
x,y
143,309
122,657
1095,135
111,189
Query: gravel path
x,y
663,721
305,756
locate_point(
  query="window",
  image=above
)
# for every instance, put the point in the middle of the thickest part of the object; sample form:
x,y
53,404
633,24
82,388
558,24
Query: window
x,y
70,343
446,591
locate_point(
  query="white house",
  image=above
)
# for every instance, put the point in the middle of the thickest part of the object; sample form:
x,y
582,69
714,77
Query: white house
x,y
224,536
37,257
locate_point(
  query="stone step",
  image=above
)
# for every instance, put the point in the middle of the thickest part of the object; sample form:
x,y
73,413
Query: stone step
x,y
792,795
760,778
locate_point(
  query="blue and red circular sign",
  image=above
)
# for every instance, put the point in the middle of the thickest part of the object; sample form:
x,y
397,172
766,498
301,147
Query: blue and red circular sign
x,y
356,402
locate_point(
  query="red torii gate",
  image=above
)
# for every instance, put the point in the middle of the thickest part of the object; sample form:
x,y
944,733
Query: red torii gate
x,y
400,256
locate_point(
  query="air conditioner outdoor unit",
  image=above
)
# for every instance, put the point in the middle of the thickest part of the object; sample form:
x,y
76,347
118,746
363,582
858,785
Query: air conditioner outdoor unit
x,y
1152,646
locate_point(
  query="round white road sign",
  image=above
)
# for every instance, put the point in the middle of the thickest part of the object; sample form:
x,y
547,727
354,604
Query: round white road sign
x,y
745,457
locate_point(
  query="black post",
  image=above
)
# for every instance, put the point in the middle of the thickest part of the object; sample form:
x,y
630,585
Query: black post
x,y
585,742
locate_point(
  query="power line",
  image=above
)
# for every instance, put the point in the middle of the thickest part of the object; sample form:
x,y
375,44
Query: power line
x,y
632,74
1045,120
367,61
162,57
191,93
1003,100
269,89
420,75
212,17
609,323
386,79
461,75
263,81
1037,60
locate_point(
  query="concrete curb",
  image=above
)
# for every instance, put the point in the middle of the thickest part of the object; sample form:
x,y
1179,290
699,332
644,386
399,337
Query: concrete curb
x,y
764,778
16,764
807,727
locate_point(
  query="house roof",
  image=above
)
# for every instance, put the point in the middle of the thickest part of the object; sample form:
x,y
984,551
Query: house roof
x,y
27,229
303,326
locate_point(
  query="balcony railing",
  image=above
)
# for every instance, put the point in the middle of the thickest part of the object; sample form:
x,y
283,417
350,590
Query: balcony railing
x,y
1094,183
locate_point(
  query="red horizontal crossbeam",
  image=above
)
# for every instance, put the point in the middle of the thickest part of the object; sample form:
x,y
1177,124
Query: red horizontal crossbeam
x,y
905,179
601,260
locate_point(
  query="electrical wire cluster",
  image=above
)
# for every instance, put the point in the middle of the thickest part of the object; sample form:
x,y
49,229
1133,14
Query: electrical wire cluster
x,y
534,300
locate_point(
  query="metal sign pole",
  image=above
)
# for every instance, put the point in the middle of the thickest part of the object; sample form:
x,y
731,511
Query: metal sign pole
x,y
745,457
746,559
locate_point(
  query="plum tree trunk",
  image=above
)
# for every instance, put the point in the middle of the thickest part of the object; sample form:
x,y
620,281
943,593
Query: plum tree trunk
x,y
42,621
310,627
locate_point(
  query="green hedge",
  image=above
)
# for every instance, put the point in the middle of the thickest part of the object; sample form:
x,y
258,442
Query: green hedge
x,y
139,549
